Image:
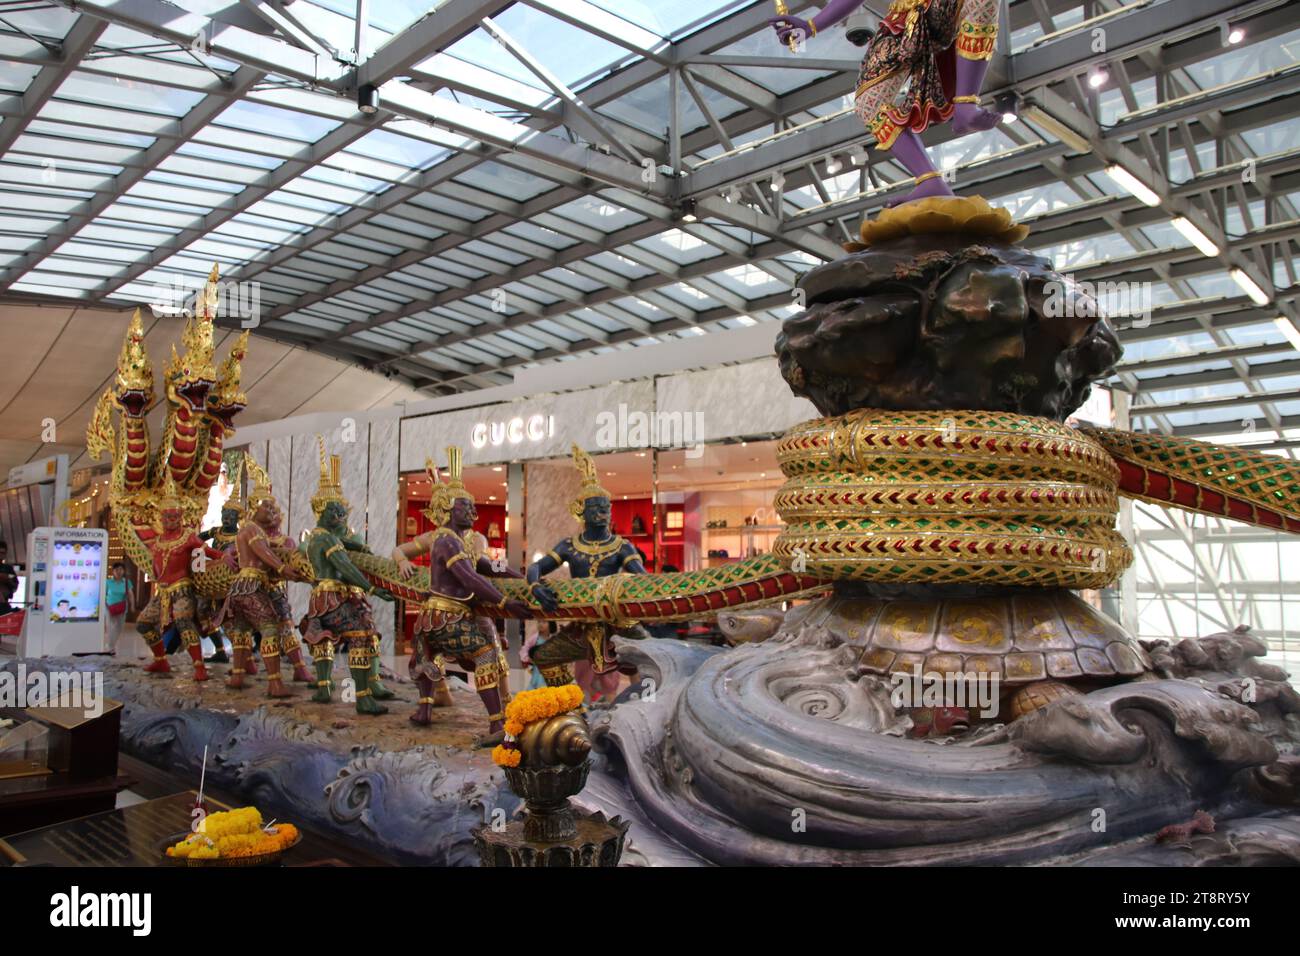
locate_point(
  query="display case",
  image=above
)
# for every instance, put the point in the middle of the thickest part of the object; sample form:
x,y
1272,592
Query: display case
x,y
24,748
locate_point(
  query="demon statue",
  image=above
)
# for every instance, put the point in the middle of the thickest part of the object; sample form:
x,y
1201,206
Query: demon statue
x,y
595,552
176,553
448,623
339,612
256,601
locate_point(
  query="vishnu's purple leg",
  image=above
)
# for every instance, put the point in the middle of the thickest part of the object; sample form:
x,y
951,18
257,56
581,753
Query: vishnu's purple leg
x,y
910,151
968,116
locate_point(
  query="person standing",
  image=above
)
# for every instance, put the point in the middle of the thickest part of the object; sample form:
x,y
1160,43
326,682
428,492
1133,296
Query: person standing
x,y
8,579
119,595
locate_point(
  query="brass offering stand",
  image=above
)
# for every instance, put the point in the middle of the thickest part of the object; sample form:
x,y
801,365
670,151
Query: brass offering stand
x,y
553,767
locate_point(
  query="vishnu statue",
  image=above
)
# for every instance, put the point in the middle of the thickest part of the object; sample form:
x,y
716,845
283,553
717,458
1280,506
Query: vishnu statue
x,y
595,552
257,601
940,50
339,612
459,591
177,552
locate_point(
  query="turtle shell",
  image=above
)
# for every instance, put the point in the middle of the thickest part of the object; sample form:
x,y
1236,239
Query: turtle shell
x,y
1037,636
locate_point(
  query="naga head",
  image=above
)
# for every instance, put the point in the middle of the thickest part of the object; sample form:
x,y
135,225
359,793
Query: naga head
x,y
133,387
227,400
191,376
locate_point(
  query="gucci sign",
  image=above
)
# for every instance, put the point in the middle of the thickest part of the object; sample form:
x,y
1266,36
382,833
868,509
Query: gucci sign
x,y
533,428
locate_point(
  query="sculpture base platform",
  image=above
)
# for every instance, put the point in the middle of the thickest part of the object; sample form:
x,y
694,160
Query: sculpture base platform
x,y
595,842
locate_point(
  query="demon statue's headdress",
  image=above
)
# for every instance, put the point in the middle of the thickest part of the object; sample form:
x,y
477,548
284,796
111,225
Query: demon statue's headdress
x,y
443,493
591,487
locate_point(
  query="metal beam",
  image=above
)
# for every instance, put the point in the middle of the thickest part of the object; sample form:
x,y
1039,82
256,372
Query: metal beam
x,y
81,39
192,122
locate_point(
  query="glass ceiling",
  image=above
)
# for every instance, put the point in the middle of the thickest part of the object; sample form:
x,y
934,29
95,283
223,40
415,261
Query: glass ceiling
x,y
513,202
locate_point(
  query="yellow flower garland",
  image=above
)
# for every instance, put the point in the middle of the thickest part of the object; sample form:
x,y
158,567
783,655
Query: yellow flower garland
x,y
528,707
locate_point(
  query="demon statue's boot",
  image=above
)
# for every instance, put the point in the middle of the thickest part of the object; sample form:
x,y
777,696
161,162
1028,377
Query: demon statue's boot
x,y
271,659
487,680
459,592
257,599
242,644
159,664
596,552
339,611
301,675
322,655
196,654
359,668
377,689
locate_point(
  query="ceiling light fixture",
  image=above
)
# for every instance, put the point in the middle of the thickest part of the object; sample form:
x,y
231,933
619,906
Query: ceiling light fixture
x,y
1130,183
368,99
1197,238
1008,104
833,165
778,183
1288,329
1098,77
1056,128
1250,286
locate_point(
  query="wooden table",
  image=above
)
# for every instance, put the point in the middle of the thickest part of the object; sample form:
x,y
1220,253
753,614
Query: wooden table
x,y
134,835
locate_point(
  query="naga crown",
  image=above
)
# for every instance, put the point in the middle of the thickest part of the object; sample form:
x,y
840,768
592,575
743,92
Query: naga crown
x,y
134,372
330,489
227,391
442,494
591,487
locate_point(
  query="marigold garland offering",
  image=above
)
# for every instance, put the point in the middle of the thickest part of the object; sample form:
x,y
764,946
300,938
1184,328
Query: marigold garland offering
x,y
234,833
528,707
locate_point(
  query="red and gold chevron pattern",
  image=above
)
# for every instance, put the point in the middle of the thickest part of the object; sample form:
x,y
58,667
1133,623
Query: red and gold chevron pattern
x,y
1219,480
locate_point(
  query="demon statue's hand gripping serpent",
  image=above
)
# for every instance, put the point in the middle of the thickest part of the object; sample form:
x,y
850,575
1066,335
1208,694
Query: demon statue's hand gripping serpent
x,y
595,552
256,601
339,612
448,623
175,552
939,50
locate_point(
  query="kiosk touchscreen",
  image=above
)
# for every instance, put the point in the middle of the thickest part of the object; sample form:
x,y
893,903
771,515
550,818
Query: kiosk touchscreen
x,y
66,576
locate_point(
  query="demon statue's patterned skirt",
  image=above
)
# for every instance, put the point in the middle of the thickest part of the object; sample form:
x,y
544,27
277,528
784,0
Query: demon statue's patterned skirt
x,y
447,627
337,612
